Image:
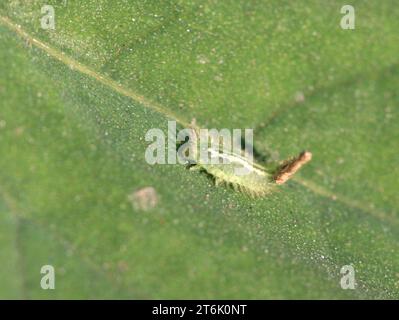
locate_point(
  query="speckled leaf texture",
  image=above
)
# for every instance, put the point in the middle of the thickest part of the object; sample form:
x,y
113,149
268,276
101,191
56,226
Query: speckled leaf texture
x,y
76,102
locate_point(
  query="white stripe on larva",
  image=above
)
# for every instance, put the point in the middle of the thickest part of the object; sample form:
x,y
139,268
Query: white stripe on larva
x,y
233,158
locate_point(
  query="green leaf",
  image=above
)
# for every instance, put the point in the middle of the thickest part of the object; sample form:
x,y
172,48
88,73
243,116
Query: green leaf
x,y
76,102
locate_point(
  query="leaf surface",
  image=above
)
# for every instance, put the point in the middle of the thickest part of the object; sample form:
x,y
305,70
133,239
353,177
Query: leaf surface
x,y
76,103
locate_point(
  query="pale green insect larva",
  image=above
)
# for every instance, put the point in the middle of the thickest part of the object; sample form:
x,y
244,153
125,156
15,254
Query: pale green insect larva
x,y
257,181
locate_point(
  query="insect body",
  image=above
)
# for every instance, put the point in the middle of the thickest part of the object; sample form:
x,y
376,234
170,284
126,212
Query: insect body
x,y
237,169
254,180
